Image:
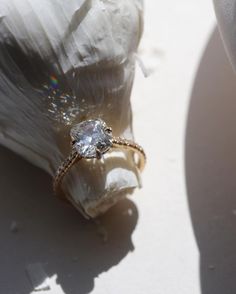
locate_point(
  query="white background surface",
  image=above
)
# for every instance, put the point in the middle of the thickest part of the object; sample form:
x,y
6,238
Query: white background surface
x,y
184,114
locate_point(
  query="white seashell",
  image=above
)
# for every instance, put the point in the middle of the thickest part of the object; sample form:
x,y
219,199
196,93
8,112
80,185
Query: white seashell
x,y
62,62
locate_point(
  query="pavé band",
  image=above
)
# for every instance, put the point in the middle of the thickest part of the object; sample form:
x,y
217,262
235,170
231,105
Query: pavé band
x,y
91,139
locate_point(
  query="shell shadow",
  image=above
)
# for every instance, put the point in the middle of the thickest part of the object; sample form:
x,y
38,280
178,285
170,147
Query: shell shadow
x,y
211,168
53,233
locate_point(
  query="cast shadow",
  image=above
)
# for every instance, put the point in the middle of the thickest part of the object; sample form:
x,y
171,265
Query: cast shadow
x,y
53,233
211,168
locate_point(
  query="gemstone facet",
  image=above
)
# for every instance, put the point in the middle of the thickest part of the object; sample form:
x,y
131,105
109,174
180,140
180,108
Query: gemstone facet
x,y
91,138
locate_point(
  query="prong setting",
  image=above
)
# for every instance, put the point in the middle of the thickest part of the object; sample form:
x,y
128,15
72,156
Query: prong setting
x,y
98,154
109,130
73,141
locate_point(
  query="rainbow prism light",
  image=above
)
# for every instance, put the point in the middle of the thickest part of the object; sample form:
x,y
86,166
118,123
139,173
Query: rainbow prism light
x,y
54,82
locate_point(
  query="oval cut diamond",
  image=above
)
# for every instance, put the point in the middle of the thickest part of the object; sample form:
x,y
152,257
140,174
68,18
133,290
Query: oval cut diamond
x,y
91,138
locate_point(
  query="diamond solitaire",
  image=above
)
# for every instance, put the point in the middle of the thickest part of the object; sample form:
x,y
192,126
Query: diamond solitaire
x,y
91,138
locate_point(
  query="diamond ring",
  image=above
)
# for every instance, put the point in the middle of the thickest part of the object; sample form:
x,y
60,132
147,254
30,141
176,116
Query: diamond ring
x,y
91,139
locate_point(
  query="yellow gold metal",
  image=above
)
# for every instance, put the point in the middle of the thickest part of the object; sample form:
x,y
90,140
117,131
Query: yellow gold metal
x,y
130,145
74,157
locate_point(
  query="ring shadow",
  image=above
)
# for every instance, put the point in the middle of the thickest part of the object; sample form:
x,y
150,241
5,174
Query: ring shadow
x,y
210,162
53,233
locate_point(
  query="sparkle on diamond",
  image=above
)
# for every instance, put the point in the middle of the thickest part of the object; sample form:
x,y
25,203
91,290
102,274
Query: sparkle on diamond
x,y
91,137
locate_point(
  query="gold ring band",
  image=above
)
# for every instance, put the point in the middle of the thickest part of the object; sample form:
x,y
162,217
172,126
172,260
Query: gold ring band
x,y
96,149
